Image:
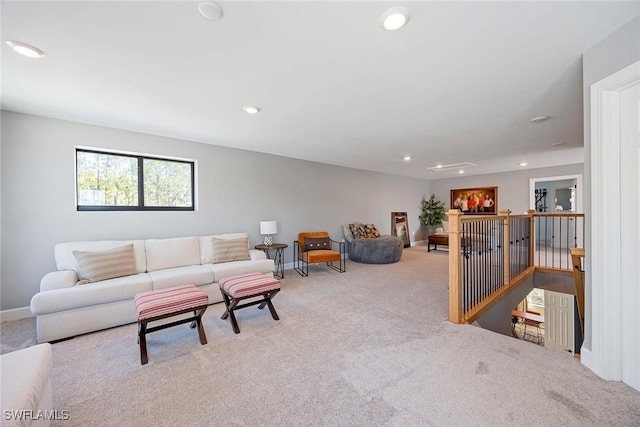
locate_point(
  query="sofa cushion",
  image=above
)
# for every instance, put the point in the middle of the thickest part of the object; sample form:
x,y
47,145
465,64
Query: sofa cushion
x,y
106,291
103,265
65,260
190,275
206,245
235,268
226,250
170,253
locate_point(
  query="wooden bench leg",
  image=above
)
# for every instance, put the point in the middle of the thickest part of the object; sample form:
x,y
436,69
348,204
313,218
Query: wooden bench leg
x,y
267,301
231,305
203,337
272,310
234,322
142,339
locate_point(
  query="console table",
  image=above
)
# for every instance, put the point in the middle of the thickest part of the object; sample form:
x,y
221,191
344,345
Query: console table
x,y
278,256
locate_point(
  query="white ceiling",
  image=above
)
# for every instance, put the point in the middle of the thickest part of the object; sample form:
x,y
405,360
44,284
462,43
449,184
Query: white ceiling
x,y
458,84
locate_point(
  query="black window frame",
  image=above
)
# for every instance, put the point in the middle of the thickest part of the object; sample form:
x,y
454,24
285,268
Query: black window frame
x,y
140,206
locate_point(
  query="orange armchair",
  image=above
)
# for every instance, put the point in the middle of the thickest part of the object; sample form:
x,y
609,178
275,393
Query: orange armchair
x,y
315,247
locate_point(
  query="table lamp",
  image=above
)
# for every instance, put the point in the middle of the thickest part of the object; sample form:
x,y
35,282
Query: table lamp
x,y
267,228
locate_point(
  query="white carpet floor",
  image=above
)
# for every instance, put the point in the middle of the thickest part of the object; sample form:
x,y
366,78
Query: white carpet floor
x,y
367,347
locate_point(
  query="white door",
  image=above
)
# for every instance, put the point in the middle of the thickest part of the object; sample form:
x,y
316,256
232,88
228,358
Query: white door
x,y
558,321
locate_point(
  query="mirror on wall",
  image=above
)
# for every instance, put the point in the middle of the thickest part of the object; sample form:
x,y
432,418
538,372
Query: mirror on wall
x,y
400,227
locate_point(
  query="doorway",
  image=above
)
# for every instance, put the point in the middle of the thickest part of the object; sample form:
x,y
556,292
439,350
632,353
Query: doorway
x,y
612,293
556,193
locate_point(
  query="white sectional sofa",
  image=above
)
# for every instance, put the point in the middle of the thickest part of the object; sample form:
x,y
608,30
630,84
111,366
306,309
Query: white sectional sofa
x,y
66,307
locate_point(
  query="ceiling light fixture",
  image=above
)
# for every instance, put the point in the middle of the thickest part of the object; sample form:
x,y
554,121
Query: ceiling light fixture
x,y
395,18
523,164
210,10
250,109
540,119
460,171
451,167
407,158
26,49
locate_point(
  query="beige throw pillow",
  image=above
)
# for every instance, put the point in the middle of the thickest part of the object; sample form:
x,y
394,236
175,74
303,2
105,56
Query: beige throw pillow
x,y
226,250
97,266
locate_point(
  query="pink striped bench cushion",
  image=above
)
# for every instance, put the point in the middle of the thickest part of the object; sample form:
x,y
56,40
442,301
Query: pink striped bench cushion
x,y
248,284
166,301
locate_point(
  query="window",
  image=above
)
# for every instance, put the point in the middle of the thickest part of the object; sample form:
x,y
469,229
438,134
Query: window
x,y
535,300
114,181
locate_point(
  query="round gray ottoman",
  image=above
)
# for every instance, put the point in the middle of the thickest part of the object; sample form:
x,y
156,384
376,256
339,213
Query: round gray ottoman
x,y
379,250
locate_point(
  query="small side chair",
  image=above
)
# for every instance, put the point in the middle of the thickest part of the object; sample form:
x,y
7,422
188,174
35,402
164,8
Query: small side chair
x,y
316,247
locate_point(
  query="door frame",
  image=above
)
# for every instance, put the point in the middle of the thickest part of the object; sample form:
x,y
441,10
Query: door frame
x,y
577,177
604,320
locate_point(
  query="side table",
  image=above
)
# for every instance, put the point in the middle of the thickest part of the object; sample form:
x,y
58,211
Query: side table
x,y
278,257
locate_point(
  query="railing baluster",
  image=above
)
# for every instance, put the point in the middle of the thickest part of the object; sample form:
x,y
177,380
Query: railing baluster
x,y
497,251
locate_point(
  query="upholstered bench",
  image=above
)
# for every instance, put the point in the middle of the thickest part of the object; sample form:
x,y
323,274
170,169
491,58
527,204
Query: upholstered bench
x,y
237,288
164,303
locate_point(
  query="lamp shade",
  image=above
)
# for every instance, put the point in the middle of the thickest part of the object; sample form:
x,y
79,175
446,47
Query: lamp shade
x,y
268,227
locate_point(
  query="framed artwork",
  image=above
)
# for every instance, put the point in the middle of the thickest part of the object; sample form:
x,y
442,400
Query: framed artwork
x,y
400,227
475,201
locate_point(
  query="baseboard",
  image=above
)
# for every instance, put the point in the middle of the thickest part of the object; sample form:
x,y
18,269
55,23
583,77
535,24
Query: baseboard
x,y
15,314
419,243
586,358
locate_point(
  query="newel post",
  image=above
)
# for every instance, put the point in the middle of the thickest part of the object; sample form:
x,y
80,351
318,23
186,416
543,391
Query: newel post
x,y
455,267
506,246
532,236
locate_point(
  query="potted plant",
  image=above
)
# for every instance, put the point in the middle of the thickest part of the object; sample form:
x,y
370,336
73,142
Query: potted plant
x,y
433,212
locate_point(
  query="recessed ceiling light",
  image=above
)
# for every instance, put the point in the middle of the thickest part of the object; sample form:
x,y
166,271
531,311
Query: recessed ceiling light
x,y
439,166
25,49
540,119
210,10
250,109
407,158
523,164
460,171
395,18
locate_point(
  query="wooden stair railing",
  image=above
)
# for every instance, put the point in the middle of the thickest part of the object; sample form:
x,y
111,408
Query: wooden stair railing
x,y
578,275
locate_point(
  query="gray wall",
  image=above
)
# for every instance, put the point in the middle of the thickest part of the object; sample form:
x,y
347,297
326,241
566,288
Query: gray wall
x,y
513,187
236,189
620,49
